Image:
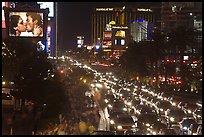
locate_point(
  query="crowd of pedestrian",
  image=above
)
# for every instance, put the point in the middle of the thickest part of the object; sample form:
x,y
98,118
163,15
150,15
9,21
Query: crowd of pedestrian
x,y
80,120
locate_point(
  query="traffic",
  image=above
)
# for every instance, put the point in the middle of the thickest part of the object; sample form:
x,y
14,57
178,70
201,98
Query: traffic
x,y
135,109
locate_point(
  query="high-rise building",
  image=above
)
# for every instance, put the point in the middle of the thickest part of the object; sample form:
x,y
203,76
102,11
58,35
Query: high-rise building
x,y
122,16
138,30
175,14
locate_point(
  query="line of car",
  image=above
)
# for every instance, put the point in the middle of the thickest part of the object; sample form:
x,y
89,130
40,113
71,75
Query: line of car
x,y
151,111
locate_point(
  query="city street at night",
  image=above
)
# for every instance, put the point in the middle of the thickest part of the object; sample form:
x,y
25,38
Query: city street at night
x,y
101,68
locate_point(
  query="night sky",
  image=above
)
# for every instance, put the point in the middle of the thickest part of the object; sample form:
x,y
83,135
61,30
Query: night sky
x,y
75,19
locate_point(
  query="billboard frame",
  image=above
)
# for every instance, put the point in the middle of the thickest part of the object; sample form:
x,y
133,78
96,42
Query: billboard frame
x,y
8,10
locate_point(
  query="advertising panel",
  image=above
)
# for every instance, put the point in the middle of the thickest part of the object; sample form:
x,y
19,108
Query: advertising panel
x,y
26,23
119,35
3,16
107,35
49,5
107,43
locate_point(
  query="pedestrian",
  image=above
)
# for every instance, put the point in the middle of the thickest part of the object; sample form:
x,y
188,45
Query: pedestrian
x,y
91,129
82,127
60,118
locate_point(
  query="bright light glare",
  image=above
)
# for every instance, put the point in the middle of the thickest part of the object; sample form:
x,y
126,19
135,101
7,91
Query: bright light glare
x,y
119,127
98,85
147,124
171,119
112,122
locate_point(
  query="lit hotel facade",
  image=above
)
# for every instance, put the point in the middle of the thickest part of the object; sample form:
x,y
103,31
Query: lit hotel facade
x,y
123,16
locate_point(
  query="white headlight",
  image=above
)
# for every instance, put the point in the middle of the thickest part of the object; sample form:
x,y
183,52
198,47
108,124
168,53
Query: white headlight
x,y
98,85
189,111
109,105
119,127
154,133
185,128
161,109
148,129
124,109
112,122
106,100
172,119
147,124
133,126
129,103
199,116
173,104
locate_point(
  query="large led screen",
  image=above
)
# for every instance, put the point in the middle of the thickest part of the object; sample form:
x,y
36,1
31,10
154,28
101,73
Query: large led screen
x,y
26,23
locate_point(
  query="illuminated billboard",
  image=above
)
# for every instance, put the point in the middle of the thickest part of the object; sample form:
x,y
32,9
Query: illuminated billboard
x,y
3,16
49,5
80,42
120,33
26,23
119,36
107,35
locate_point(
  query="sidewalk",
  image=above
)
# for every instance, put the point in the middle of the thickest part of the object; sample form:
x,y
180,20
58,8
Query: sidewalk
x,y
21,123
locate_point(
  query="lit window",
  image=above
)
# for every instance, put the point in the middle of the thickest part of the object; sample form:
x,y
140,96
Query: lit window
x,y
122,42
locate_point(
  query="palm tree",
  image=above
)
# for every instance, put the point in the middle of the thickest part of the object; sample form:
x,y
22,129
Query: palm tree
x,y
181,40
133,61
157,52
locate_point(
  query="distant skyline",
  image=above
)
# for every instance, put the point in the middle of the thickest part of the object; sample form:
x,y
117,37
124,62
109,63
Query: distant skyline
x,y
75,19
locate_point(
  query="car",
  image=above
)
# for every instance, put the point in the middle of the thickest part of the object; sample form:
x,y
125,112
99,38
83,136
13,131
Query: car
x,y
163,105
143,109
135,131
185,124
102,132
190,107
167,131
197,114
114,114
110,97
175,100
182,104
117,105
7,99
147,120
121,123
193,129
157,127
199,130
177,128
175,115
